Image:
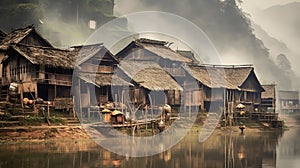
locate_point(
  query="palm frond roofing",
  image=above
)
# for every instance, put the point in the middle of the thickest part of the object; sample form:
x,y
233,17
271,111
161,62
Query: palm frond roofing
x,y
269,91
160,49
16,36
288,95
220,77
46,56
149,75
59,57
85,52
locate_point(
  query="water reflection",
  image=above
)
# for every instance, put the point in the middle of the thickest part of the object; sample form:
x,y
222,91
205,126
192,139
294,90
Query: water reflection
x,y
288,150
222,149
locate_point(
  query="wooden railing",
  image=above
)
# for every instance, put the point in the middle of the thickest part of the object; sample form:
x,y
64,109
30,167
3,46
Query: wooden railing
x,y
55,79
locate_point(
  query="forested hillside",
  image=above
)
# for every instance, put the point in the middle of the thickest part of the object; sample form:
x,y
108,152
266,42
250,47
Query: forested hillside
x,y
227,26
65,23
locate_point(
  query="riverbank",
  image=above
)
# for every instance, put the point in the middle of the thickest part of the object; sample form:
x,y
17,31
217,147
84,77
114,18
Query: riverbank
x,y
75,132
19,134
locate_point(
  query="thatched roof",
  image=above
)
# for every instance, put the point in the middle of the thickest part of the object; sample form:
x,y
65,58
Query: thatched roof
x,y
17,35
44,56
85,52
188,54
221,76
288,95
103,79
158,48
58,57
149,75
269,91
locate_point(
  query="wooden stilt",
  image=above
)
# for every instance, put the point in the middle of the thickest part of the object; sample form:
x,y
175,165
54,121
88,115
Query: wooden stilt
x,y
21,97
79,100
88,97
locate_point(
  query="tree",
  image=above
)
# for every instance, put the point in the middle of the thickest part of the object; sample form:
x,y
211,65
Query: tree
x,y
283,63
286,69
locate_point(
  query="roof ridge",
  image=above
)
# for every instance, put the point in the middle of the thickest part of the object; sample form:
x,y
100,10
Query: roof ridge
x,y
228,66
41,47
151,41
83,45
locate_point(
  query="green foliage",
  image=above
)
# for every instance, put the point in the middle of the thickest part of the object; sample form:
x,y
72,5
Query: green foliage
x,y
284,63
19,13
15,14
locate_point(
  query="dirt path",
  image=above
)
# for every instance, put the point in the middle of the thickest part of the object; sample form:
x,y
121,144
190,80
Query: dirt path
x,y
42,133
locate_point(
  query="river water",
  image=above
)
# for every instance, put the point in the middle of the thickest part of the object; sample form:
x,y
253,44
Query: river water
x,y
223,149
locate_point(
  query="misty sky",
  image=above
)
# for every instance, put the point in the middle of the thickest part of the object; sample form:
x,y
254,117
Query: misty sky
x,y
255,5
250,6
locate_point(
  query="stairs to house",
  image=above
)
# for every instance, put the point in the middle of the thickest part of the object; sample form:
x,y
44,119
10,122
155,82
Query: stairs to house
x,y
3,98
10,104
4,93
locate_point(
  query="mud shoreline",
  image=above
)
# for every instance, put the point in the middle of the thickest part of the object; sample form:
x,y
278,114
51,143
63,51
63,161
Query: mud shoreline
x,y
20,134
44,133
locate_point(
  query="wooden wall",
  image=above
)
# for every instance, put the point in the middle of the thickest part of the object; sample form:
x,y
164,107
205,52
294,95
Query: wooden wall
x,y
18,69
35,40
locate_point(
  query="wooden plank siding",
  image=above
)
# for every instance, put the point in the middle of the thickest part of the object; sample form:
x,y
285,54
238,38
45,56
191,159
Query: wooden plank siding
x,y
146,50
25,65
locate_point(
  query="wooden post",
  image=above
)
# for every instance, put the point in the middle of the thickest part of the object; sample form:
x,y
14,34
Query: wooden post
x,y
89,113
224,110
151,105
145,114
79,99
21,96
48,109
89,102
73,100
54,91
35,91
122,101
190,104
152,126
132,128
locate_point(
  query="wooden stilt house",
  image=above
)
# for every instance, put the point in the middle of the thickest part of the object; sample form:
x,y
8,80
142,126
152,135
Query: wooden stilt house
x,y
288,101
226,87
95,81
41,72
268,98
161,54
27,35
152,84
